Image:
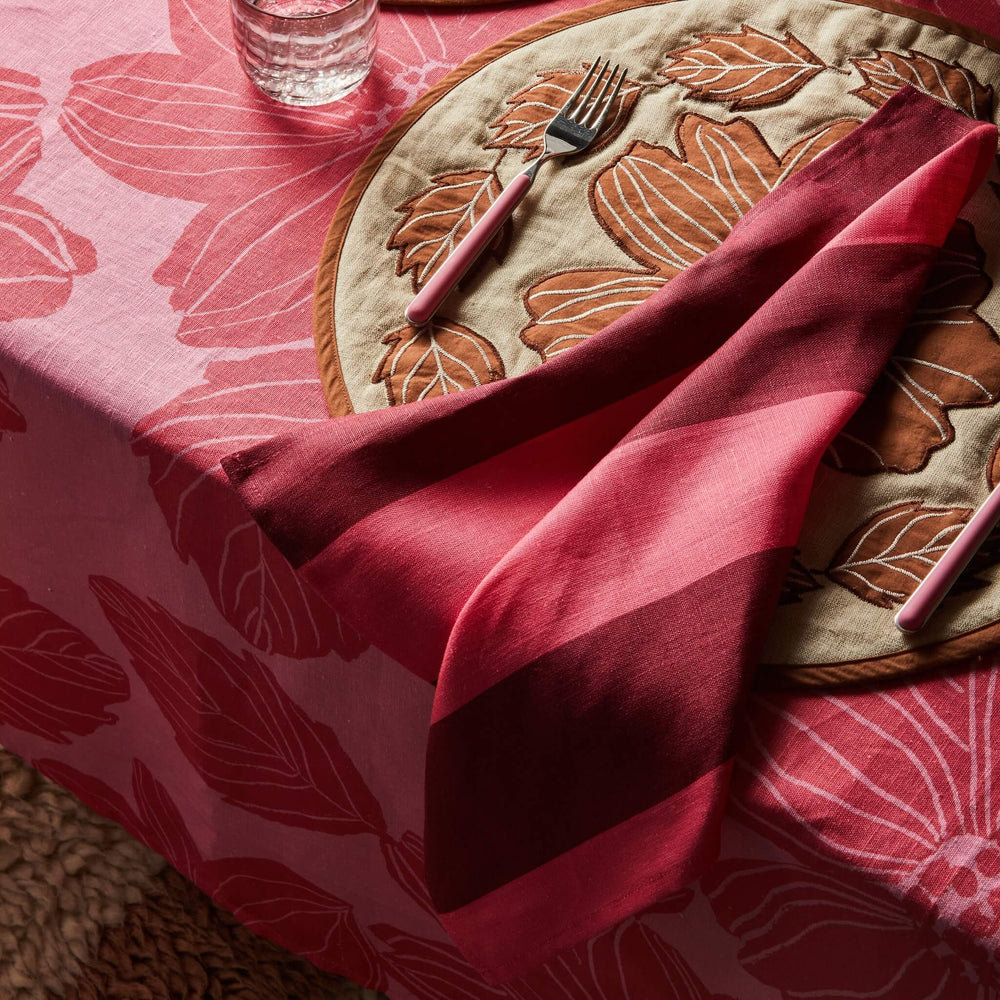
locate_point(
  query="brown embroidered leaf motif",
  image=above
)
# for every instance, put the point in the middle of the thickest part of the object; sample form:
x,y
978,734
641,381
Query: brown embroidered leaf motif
x,y
952,84
747,69
666,209
434,360
568,307
798,581
947,356
531,109
438,218
883,561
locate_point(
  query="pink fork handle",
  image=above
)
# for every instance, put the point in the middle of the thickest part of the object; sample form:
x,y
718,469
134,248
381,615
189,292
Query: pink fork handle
x,y
425,304
913,615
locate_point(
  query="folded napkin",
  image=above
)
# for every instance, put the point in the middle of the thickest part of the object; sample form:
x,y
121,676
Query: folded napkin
x,y
585,558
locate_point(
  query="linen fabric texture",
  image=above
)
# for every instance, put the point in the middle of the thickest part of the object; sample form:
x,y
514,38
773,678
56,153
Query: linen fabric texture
x,y
585,558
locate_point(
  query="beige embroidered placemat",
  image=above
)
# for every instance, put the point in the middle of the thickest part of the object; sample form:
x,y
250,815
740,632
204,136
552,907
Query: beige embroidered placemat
x,y
725,99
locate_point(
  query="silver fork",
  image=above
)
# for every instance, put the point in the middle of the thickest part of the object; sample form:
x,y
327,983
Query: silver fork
x,y
572,130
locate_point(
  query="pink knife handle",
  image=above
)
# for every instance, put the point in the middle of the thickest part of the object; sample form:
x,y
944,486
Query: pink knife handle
x,y
913,615
465,254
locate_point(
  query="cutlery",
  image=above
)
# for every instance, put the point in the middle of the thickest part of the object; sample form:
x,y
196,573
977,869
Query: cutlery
x,y
934,587
572,130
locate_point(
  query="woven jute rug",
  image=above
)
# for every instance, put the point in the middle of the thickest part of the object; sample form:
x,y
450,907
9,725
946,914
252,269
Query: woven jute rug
x,y
89,913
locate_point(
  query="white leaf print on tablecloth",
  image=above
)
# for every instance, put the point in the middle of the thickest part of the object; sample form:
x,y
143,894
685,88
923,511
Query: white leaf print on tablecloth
x,y
191,126
814,935
901,784
236,725
239,404
54,681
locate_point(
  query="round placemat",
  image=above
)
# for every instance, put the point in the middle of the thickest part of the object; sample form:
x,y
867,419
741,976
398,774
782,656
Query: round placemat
x,y
724,100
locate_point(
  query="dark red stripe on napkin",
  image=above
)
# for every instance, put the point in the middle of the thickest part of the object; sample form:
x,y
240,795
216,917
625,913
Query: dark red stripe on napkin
x,y
557,904
586,557
481,753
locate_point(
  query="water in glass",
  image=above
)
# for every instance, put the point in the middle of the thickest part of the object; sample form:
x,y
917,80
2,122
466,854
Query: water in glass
x,y
305,51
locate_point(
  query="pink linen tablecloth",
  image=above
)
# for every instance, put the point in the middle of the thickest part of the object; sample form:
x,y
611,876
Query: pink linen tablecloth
x,y
589,555
160,230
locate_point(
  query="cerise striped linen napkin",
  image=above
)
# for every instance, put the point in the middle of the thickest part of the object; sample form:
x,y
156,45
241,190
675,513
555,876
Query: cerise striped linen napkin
x,y
585,558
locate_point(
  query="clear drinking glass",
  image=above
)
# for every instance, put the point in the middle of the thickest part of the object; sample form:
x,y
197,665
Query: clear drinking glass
x,y
305,51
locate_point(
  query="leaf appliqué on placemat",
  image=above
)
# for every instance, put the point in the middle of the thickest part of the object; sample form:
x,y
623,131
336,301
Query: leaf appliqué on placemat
x,y
530,110
439,218
948,356
746,69
568,307
884,560
666,210
434,360
951,83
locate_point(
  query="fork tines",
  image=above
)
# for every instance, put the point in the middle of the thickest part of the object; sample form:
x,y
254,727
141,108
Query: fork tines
x,y
596,110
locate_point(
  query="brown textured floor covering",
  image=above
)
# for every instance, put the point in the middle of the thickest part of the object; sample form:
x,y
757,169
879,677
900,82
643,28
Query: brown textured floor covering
x,y
89,913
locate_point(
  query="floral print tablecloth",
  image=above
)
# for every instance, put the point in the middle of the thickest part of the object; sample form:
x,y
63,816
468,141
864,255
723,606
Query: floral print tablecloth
x,y
160,232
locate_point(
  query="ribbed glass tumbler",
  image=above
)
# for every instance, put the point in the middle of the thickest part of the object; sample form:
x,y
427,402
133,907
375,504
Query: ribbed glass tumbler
x,y
305,52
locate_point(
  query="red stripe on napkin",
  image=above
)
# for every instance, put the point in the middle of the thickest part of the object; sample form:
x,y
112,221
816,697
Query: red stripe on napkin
x,y
587,557
636,550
